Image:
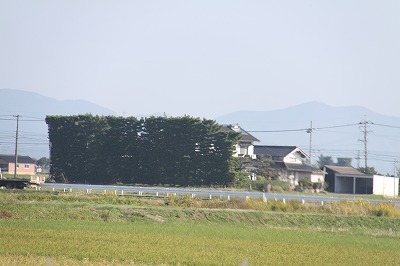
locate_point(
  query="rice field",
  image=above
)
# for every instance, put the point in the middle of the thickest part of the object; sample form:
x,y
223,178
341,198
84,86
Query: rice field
x,y
52,229
40,242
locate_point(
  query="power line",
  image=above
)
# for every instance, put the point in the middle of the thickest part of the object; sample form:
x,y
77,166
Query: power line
x,y
302,129
382,125
347,125
277,131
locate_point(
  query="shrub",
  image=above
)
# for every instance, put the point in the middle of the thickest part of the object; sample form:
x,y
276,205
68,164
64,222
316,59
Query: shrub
x,y
385,209
241,180
258,184
285,186
276,188
305,183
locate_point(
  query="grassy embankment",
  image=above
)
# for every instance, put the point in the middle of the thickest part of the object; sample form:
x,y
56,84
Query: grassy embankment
x,y
73,229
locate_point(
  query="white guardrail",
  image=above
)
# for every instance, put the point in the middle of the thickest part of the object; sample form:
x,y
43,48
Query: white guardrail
x,y
200,193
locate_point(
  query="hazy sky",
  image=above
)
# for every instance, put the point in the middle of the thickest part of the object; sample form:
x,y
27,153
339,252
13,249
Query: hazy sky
x,y
204,58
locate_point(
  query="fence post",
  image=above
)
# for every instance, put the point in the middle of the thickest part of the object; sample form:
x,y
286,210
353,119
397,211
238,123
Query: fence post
x,y
229,197
303,201
157,193
70,189
284,201
322,203
210,196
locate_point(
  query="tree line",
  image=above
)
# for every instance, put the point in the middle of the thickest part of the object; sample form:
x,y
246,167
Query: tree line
x,y
155,150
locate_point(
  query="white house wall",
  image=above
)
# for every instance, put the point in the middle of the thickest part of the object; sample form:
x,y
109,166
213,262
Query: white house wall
x,y
293,157
244,150
250,150
317,178
385,185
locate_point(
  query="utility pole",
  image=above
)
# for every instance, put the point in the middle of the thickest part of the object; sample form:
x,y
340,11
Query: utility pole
x,y
310,130
394,177
365,140
16,148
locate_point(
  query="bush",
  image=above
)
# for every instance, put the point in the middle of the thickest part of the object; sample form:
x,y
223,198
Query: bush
x,y
242,180
285,186
298,188
305,183
258,184
385,209
276,188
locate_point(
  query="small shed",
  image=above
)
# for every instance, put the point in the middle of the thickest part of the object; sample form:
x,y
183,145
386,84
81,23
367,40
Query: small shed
x,y
386,185
348,180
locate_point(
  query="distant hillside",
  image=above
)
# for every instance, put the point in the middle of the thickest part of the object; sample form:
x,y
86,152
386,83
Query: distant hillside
x,y
337,131
33,108
33,104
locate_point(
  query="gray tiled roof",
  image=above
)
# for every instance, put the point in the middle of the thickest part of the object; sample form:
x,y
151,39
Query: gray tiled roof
x,y
344,170
302,167
21,159
297,167
274,151
245,136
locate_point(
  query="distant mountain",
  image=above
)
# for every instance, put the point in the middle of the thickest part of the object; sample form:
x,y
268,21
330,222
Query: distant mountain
x,y
33,108
337,132
33,104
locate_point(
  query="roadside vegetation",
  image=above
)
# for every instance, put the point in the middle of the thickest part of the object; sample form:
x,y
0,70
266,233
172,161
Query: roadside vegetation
x,y
48,228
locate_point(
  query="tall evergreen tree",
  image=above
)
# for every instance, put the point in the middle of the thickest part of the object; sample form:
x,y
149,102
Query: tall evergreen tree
x,y
155,150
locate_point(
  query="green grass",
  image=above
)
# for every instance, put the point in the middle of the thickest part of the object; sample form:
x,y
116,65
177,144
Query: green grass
x,y
71,229
193,243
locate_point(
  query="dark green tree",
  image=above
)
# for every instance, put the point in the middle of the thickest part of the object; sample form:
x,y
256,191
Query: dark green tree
x,y
369,170
344,162
155,150
325,160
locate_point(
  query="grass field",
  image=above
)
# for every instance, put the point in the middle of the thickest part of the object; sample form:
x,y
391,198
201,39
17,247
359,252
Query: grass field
x,y
57,230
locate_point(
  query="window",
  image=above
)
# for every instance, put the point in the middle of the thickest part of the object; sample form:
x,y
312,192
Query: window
x,y
26,166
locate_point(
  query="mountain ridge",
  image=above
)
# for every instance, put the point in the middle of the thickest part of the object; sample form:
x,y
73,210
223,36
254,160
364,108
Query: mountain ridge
x,y
32,108
335,131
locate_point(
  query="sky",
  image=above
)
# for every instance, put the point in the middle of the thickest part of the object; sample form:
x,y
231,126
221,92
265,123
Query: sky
x,y
204,58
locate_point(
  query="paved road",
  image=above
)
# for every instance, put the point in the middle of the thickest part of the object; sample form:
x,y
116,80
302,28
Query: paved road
x,y
203,192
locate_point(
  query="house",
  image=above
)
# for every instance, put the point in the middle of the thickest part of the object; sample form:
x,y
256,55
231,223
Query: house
x,y
348,180
245,146
291,163
25,164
